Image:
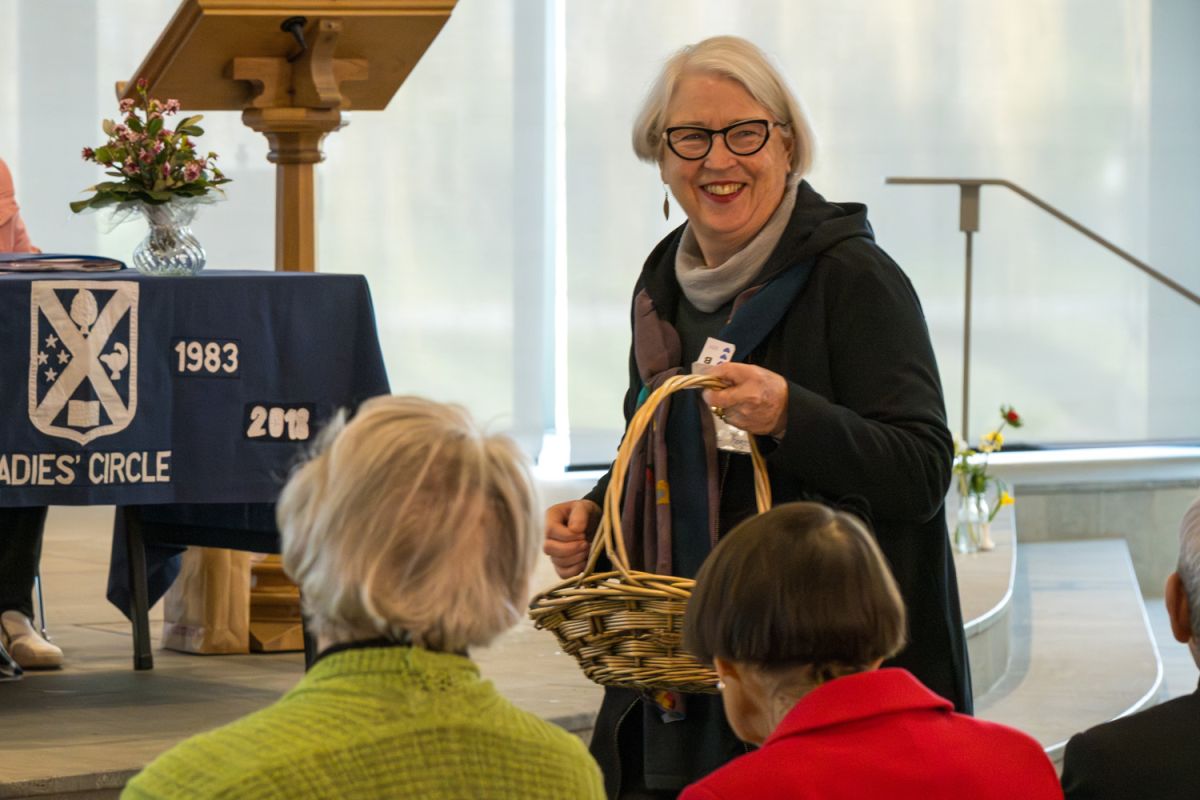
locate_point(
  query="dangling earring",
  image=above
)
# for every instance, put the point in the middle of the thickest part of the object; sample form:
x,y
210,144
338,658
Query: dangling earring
x,y
666,203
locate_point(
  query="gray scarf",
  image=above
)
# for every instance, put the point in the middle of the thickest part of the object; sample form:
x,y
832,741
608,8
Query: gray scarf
x,y
710,287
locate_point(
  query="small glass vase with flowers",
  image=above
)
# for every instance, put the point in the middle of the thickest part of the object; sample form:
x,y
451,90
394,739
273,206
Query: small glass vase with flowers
x,y
972,530
159,176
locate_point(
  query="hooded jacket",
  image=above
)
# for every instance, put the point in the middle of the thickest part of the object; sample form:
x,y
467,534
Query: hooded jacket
x,y
866,429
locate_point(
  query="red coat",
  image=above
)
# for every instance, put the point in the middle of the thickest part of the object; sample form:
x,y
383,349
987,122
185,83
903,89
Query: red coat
x,y
883,734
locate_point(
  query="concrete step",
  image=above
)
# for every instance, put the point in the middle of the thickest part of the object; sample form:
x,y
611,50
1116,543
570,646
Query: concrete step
x,y
985,582
1082,651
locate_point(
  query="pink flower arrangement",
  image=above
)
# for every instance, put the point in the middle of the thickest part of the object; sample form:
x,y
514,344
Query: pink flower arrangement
x,y
151,162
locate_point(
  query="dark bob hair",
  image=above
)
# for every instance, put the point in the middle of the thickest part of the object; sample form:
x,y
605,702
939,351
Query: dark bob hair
x,y
800,585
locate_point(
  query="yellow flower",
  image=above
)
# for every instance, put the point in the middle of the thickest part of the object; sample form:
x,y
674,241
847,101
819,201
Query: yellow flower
x,y
1006,499
991,442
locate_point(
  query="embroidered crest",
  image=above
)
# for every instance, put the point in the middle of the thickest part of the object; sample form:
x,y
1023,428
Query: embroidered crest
x,y
82,357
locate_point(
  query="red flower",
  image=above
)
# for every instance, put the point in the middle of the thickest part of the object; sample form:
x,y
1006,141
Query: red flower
x,y
142,84
1011,416
88,154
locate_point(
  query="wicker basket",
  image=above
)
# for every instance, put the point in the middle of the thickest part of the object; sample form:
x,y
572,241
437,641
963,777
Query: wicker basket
x,y
626,627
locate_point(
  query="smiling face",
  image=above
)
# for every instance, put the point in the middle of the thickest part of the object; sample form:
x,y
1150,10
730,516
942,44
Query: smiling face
x,y
727,198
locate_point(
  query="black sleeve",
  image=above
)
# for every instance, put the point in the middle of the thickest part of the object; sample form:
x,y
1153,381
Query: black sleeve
x,y
883,436
1082,769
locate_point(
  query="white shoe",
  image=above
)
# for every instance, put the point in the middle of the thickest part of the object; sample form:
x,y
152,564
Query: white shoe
x,y
26,645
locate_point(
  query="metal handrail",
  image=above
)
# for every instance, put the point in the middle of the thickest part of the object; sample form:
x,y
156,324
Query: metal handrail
x,y
968,223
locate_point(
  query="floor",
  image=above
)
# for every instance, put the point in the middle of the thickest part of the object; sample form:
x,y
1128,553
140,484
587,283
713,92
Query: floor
x,y
108,720
1081,652
1179,670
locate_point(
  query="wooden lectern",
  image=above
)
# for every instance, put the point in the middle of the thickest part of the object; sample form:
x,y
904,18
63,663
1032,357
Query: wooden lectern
x,y
292,66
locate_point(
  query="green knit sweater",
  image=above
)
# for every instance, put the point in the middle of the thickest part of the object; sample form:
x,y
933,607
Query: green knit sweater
x,y
379,722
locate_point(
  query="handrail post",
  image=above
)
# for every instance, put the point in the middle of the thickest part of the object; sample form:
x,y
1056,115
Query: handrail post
x,y
968,223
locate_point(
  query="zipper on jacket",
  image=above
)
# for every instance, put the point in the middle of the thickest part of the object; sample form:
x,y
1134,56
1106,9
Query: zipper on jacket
x,y
617,744
724,460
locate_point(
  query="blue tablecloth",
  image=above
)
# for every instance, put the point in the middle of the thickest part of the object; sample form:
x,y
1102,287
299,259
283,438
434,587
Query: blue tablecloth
x,y
123,389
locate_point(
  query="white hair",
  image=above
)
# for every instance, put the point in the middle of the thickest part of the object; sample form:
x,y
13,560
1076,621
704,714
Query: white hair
x,y
735,58
1189,562
409,522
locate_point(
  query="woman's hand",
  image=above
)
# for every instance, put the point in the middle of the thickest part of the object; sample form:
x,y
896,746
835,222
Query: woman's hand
x,y
756,399
569,529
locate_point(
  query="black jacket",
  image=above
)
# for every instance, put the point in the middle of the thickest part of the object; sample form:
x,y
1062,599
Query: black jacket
x,y
866,426
1152,754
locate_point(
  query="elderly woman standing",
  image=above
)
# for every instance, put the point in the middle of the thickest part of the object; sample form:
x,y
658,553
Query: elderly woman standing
x,y
832,370
412,536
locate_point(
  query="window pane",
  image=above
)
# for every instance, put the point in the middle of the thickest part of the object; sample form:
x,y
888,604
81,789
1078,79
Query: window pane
x,y
1083,104
416,197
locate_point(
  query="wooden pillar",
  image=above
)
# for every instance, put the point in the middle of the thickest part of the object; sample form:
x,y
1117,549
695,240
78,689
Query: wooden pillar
x,y
295,105
294,136
295,218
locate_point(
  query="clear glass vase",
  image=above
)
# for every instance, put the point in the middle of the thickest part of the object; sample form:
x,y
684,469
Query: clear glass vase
x,y
169,248
972,530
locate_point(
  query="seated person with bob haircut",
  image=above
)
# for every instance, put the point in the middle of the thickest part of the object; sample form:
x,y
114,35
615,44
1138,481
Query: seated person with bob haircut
x,y
412,535
796,609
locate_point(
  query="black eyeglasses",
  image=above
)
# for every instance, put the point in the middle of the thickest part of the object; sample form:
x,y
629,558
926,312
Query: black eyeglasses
x,y
692,143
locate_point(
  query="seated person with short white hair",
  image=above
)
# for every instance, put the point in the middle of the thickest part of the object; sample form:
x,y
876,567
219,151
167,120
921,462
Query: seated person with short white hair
x,y
412,535
1155,753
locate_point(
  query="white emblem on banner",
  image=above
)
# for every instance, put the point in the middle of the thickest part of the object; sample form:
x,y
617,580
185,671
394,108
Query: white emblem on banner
x,y
82,363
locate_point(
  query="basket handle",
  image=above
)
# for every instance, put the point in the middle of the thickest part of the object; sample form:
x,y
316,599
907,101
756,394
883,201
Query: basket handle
x,y
609,537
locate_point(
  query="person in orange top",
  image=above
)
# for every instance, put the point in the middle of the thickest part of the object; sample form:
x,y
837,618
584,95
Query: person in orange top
x,y
20,528
13,236
796,609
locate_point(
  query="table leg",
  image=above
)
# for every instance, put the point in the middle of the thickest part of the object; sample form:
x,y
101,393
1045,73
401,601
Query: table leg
x,y
135,551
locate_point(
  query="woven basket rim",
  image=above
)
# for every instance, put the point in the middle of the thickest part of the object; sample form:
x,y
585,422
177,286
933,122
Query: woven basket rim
x,y
589,591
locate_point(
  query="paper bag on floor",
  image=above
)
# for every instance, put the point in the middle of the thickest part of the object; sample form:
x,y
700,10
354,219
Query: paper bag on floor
x,y
207,609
